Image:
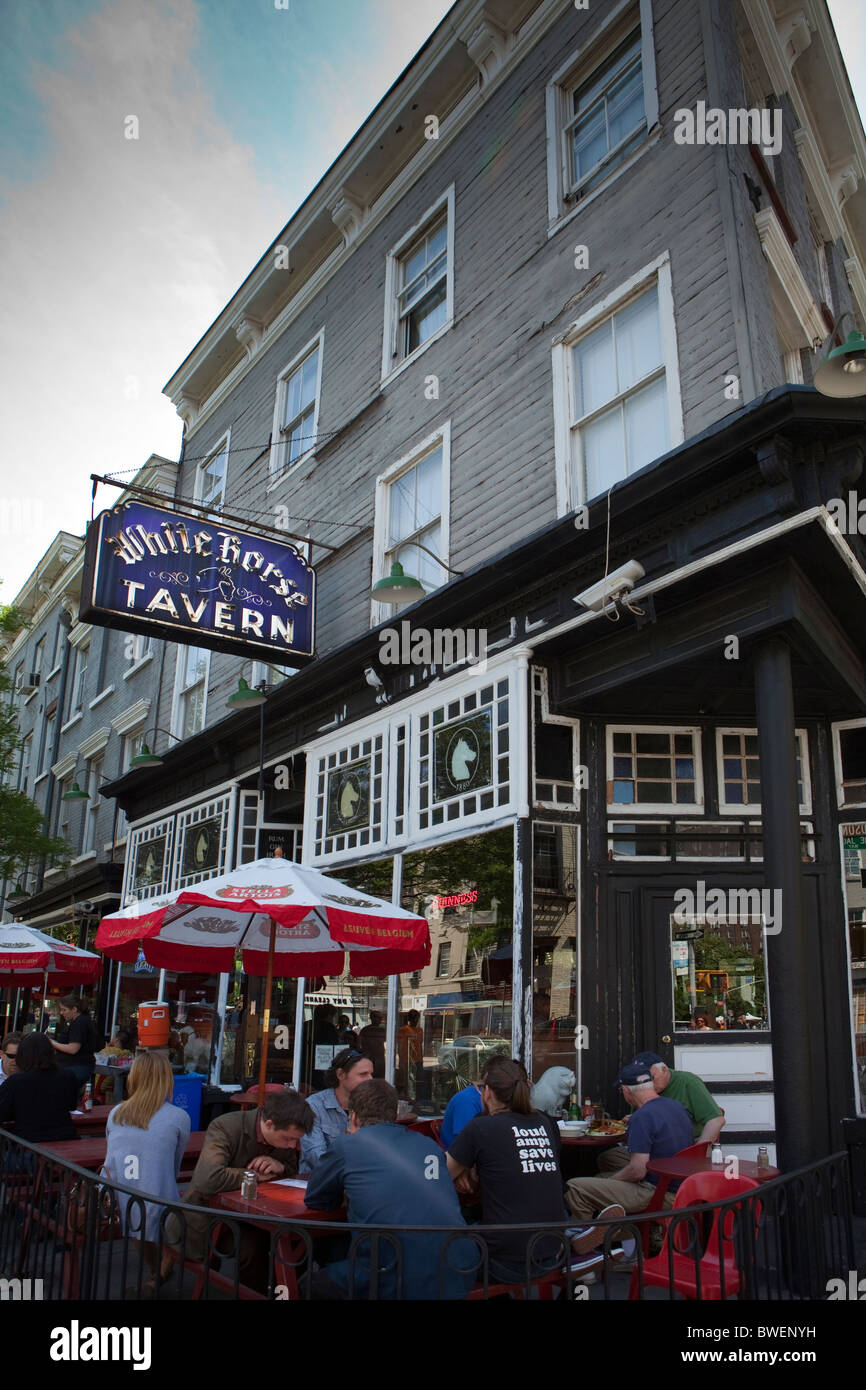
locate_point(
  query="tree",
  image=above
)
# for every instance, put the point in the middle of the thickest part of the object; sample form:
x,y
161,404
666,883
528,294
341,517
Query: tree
x,y
22,829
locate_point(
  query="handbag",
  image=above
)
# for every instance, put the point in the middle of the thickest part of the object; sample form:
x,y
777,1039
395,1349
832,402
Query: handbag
x,y
78,1211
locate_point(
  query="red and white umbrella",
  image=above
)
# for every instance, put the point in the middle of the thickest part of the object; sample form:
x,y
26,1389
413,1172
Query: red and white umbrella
x,y
285,918
29,957
316,920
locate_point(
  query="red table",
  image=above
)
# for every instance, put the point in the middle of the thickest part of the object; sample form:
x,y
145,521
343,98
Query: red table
x,y
93,1119
282,1203
586,1141
90,1151
671,1169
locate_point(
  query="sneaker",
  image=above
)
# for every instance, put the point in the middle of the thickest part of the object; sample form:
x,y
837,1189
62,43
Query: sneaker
x,y
591,1237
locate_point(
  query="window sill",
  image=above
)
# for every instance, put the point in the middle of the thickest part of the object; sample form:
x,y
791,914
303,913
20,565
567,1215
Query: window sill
x,y
83,858
40,778
56,672
70,723
31,696
137,665
55,873
278,479
652,138
103,695
419,352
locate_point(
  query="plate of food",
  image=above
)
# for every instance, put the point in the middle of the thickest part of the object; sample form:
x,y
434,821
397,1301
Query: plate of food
x,y
607,1129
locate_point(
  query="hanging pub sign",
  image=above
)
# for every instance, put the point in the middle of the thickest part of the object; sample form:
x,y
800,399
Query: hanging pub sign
x,y
198,581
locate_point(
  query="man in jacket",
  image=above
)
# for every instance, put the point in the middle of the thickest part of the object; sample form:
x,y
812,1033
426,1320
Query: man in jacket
x,y
266,1140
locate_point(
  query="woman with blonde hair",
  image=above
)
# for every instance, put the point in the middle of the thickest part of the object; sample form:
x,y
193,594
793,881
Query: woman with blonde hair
x,y
147,1136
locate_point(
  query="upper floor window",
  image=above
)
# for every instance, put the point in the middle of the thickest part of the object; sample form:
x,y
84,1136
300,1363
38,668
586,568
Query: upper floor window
x,y
617,400
654,767
210,482
24,762
46,752
419,286
94,780
601,105
412,511
296,410
39,657
193,664
78,681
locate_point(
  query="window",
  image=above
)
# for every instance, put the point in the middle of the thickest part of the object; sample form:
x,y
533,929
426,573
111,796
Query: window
x,y
39,656
601,107
617,401
210,482
78,681
412,511
443,960
190,690
57,654
24,762
47,750
64,808
296,411
94,780
719,973
739,770
850,756
658,768
419,286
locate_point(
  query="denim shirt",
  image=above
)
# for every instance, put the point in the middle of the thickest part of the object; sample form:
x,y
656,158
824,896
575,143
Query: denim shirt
x,y
331,1121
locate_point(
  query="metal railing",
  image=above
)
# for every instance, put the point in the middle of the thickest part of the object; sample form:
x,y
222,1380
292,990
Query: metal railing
x,y
75,1235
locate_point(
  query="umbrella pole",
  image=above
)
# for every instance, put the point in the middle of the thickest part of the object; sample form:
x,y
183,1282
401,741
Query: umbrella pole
x,y
44,1001
266,1017
8,1002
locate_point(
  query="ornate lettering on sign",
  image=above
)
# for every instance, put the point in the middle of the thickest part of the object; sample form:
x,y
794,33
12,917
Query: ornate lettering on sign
x,y
255,890
188,579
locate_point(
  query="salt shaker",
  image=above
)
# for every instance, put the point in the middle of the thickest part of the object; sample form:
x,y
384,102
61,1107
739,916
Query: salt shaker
x,y
249,1186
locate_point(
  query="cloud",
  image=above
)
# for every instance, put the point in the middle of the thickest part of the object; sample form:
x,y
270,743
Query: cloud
x,y
118,254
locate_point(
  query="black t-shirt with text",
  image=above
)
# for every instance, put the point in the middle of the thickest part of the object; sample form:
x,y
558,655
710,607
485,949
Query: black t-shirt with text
x,y
517,1159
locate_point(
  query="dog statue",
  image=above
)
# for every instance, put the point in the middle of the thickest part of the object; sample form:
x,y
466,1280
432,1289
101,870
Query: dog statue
x,y
552,1089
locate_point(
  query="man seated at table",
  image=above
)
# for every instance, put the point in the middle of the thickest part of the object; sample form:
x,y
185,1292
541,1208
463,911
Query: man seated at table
x,y
461,1108
8,1054
658,1129
330,1107
392,1176
266,1140
707,1118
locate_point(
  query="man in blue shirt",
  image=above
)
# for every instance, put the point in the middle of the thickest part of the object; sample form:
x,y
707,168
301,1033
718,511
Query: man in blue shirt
x,y
391,1176
461,1108
659,1128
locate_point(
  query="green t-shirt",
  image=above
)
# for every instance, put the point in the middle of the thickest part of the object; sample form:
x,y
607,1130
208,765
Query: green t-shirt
x,y
691,1092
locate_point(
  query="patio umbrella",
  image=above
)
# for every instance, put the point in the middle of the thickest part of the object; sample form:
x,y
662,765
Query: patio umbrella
x,y
286,919
28,957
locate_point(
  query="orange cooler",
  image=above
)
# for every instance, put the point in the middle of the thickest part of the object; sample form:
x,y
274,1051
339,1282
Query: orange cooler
x,y
153,1024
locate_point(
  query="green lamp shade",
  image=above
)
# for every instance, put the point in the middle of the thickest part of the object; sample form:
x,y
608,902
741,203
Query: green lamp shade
x,y
244,698
843,372
75,794
145,758
398,587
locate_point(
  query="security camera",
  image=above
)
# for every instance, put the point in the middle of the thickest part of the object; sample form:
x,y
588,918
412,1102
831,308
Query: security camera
x,y
613,587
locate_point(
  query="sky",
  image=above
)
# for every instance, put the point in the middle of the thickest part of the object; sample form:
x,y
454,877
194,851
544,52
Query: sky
x,y
116,254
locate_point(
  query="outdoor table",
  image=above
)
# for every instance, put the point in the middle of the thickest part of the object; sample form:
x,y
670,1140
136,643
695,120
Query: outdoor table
x,y
587,1141
278,1203
90,1151
120,1073
671,1169
93,1119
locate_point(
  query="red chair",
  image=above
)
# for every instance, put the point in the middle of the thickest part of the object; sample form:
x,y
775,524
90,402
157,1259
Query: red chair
x,y
657,1200
716,1271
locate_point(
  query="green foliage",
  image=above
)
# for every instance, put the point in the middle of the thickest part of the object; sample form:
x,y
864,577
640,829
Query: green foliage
x,y
22,832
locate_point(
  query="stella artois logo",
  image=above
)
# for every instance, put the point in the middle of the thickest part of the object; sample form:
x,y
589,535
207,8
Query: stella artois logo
x,y
260,891
307,930
218,925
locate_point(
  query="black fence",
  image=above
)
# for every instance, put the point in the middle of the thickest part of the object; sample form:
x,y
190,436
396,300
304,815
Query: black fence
x,y
67,1233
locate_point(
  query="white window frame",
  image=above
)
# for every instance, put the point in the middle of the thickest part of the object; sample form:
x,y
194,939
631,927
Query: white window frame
x,y
264,671
179,691
278,469
634,809
575,72
392,365
837,760
540,689
223,446
382,511
95,769
753,808
80,663
25,761
570,483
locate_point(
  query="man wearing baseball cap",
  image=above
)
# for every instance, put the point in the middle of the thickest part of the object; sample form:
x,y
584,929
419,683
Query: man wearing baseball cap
x,y
707,1118
659,1128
